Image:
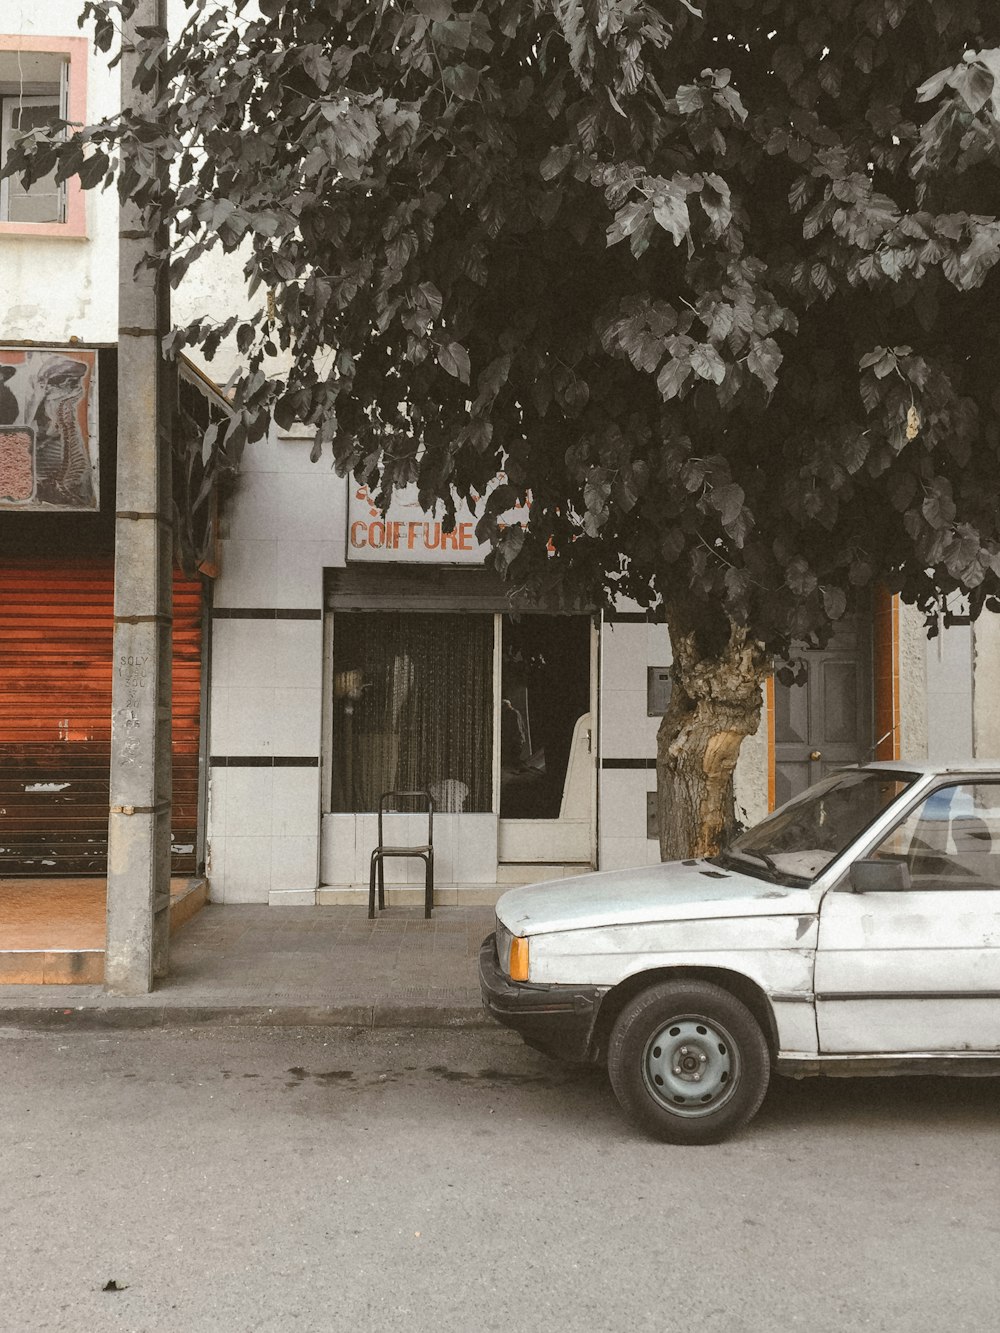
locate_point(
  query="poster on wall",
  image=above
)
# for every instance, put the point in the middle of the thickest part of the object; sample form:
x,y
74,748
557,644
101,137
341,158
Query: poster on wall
x,y
407,534
49,449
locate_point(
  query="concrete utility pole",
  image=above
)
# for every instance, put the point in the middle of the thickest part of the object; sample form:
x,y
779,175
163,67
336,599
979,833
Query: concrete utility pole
x,y
138,915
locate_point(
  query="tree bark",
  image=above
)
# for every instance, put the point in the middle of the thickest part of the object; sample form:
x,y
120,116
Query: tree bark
x,y
715,702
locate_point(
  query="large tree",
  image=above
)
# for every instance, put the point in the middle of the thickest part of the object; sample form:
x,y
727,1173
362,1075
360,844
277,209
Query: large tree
x,y
713,286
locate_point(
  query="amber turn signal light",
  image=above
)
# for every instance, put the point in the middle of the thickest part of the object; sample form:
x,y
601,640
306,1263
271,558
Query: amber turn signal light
x,y
518,959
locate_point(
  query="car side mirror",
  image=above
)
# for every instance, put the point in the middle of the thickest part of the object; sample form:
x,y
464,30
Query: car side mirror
x,y
875,876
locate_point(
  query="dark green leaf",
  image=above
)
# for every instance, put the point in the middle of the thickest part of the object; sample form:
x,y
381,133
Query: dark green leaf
x,y
671,378
974,84
453,358
763,360
431,298
939,507
800,578
693,474
462,80
671,213
556,161
510,545
728,500
707,363
834,602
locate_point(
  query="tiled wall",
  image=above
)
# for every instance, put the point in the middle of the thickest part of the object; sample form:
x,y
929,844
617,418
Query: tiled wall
x,y
629,645
268,838
285,526
465,849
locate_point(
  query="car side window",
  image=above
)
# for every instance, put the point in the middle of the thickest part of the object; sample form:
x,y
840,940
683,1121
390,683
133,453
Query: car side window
x,y
951,840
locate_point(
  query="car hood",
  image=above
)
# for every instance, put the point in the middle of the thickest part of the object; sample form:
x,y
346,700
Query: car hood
x,y
671,891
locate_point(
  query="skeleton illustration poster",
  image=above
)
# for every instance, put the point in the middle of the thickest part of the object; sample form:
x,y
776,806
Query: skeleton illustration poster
x,y
48,429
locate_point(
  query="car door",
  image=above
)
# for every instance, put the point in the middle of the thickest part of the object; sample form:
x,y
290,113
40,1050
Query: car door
x,y
918,969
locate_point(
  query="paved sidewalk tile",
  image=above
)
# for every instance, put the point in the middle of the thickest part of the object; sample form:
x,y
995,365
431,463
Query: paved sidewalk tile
x,y
288,965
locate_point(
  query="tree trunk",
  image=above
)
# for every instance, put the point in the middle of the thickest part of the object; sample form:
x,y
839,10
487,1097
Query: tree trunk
x,y
715,702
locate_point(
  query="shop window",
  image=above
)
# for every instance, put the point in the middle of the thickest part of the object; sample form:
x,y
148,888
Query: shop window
x,y
41,80
412,708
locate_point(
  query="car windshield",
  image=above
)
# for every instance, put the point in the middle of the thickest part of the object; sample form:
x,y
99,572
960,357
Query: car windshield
x,y
800,840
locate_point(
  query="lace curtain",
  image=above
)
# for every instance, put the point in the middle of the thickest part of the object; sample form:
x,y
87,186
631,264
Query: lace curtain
x,y
412,708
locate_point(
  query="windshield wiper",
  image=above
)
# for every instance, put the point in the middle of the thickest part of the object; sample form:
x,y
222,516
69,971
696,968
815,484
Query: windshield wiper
x,y
758,856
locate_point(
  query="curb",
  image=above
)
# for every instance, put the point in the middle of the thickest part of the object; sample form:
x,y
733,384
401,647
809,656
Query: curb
x,y
126,1018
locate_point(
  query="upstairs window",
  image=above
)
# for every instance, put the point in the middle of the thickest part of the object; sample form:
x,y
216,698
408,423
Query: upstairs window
x,y
45,201
41,80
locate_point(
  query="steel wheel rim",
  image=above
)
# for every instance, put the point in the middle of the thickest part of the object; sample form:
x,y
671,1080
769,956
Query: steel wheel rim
x,y
691,1066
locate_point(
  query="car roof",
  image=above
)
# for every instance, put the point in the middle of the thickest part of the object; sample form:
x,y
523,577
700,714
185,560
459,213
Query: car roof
x,y
940,766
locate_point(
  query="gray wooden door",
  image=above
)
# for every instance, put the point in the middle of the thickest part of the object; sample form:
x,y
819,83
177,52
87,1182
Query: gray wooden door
x,y
828,721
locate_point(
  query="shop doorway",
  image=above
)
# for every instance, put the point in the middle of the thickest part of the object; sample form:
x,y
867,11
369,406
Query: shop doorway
x,y
432,685
547,767
56,627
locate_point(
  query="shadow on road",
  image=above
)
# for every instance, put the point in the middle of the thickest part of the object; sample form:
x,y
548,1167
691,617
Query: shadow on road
x,y
921,1103
911,1102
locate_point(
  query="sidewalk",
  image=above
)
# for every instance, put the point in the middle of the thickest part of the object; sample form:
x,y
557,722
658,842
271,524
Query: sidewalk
x,y
290,967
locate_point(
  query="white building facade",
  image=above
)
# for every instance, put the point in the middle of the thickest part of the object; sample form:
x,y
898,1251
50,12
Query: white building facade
x,y
345,654
354,653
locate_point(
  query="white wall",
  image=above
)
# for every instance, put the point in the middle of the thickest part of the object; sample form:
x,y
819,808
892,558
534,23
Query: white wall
x,y
285,526
949,694
987,686
55,289
913,701
628,649
627,735
751,777
267,840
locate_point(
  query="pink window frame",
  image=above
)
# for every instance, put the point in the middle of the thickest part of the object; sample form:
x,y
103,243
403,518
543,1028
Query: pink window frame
x,y
76,50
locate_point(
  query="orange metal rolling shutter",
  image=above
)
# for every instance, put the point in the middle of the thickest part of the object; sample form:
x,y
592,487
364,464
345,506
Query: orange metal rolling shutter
x,y
56,626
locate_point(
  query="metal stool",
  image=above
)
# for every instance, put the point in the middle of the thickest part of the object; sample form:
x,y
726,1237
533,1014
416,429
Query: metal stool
x,y
424,850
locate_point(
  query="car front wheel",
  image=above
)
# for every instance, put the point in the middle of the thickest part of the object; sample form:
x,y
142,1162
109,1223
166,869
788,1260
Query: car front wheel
x,y
688,1062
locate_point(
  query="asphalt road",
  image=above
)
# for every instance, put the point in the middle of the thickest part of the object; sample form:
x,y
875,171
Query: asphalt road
x,y
323,1180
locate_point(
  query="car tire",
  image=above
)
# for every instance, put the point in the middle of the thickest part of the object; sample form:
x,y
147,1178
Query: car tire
x,y
688,1062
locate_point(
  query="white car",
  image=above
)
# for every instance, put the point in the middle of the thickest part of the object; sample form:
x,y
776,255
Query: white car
x,y
854,931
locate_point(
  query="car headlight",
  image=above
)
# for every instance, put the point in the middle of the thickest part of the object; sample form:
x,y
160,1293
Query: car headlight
x,y
512,953
504,938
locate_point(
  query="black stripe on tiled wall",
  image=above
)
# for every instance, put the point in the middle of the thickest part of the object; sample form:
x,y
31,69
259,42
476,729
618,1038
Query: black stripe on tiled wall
x,y
265,613
634,618
264,761
628,763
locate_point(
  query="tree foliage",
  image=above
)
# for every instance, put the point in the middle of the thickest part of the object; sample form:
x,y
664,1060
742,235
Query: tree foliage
x,y
716,288
714,284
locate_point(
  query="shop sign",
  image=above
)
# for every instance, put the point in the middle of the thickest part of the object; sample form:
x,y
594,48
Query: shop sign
x,y
408,534
49,452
